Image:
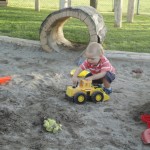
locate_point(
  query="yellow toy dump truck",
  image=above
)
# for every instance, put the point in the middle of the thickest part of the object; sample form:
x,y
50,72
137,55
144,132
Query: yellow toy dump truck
x,y
85,90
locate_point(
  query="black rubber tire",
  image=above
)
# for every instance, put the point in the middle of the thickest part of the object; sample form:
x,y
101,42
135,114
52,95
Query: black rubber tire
x,y
76,98
95,94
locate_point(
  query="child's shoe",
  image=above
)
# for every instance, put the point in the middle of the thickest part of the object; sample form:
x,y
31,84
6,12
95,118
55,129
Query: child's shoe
x,y
107,90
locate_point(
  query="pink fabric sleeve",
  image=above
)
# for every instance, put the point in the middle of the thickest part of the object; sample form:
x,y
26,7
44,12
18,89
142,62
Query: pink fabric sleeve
x,y
84,65
106,65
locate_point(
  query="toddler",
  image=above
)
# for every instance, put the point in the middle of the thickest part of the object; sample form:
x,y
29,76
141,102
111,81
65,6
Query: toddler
x,y
101,70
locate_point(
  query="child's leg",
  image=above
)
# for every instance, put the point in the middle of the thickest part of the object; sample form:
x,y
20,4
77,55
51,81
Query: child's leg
x,y
106,83
109,77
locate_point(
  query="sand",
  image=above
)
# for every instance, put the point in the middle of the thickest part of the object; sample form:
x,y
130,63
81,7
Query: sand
x,y
37,91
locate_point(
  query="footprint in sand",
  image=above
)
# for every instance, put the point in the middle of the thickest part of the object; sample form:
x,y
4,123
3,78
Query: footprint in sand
x,y
108,110
4,61
28,65
29,77
117,91
17,58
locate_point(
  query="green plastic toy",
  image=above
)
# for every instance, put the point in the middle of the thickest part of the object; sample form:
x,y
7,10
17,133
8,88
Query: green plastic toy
x,y
51,125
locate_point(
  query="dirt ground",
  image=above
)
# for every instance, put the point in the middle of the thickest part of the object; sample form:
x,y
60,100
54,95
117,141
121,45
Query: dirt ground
x,y
37,91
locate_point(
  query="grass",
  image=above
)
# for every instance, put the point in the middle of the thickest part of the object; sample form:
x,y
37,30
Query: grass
x,y
25,23
131,37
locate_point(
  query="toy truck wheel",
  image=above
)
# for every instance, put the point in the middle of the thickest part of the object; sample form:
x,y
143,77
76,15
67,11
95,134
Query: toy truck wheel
x,y
80,98
97,96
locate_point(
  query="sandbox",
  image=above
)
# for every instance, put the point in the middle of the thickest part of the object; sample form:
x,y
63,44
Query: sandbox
x,y
37,91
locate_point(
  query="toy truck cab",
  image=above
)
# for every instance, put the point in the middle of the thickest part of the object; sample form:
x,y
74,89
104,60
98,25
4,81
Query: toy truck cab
x,y
85,90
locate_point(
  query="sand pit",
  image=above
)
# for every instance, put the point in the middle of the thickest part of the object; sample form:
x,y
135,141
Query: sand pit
x,y
37,91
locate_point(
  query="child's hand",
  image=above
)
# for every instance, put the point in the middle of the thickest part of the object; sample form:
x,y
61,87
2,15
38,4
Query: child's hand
x,y
75,80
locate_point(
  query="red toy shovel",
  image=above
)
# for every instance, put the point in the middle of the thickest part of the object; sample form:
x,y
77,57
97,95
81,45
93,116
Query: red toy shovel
x,y
146,119
146,136
4,80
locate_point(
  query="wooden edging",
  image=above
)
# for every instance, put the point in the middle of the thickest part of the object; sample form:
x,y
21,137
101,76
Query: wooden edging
x,y
128,56
119,55
21,42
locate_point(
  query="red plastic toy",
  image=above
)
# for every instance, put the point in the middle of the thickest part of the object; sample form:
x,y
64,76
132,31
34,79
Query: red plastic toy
x,y
146,134
4,80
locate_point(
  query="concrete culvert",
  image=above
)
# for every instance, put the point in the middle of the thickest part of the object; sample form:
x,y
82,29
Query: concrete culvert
x,y
51,31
